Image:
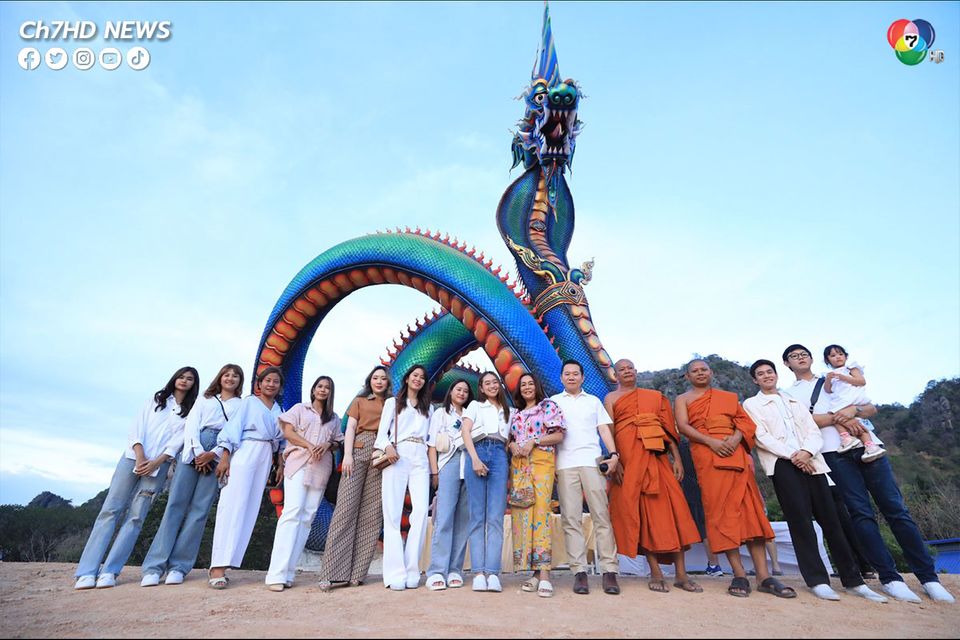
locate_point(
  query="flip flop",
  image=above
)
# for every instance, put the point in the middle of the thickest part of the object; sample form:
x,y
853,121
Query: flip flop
x,y
659,586
531,584
739,587
773,586
689,585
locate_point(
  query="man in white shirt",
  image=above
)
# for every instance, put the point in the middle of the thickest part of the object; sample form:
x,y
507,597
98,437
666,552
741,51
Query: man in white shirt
x,y
788,445
858,480
579,476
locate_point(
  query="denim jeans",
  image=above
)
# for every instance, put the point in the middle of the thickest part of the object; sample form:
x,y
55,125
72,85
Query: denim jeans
x,y
859,480
128,493
451,522
177,543
487,497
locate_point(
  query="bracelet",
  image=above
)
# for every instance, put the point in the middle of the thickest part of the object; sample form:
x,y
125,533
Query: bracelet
x,y
614,453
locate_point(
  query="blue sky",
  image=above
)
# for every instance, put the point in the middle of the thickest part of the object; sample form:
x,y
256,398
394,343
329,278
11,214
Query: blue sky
x,y
750,175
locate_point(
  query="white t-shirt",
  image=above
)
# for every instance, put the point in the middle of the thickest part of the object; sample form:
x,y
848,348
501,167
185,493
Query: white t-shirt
x,y
580,446
802,390
843,393
788,425
488,421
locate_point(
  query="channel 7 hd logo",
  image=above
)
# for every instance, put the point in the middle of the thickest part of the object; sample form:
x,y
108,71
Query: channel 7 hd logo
x,y
911,39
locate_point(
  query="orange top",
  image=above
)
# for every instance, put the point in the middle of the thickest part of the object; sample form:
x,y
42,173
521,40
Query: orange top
x,y
366,411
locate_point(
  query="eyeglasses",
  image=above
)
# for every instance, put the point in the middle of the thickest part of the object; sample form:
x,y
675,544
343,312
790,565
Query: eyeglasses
x,y
798,356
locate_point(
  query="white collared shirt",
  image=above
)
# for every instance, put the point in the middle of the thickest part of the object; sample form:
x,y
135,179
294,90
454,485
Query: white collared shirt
x,y
450,422
252,421
580,446
158,431
206,414
411,424
488,421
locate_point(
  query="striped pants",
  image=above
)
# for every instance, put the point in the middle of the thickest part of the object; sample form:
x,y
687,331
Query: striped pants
x,y
357,519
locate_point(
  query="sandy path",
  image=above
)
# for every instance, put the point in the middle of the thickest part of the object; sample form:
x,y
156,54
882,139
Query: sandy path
x,y
37,600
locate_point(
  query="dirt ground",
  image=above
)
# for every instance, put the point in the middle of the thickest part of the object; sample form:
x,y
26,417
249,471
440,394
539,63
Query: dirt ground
x,y
38,601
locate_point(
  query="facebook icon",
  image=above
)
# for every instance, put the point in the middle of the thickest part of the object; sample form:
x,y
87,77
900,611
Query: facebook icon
x,y
28,58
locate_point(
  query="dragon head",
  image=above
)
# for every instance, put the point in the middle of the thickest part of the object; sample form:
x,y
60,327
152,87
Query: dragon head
x,y
548,131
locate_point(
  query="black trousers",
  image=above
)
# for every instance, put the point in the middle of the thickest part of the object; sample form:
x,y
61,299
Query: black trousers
x,y
804,498
849,531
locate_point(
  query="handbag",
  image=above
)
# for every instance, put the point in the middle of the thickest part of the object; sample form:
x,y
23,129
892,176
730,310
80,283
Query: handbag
x,y
521,493
444,443
379,459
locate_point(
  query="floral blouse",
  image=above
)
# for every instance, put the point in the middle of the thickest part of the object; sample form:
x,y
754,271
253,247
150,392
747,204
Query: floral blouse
x,y
536,422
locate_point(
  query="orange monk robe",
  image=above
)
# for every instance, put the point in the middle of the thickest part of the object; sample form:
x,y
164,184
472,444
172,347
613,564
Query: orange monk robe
x,y
731,499
648,511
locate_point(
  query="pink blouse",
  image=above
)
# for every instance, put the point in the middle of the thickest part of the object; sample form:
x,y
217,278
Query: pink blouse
x,y
307,423
536,422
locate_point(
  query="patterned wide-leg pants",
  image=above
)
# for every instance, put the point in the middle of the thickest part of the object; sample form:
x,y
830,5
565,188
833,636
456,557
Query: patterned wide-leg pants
x,y
357,519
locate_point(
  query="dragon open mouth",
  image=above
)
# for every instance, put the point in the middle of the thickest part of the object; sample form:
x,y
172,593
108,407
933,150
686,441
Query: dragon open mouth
x,y
553,131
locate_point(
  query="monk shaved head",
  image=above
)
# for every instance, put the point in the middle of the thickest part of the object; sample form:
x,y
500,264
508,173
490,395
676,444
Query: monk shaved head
x,y
699,373
626,373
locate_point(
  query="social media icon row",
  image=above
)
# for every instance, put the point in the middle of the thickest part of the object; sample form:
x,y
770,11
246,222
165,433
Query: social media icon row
x,y
83,58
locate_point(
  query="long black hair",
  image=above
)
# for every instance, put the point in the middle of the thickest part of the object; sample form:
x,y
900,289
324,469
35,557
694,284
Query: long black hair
x,y
448,398
367,389
161,397
423,396
327,412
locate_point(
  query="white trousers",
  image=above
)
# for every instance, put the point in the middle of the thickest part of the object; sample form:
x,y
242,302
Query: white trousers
x,y
240,502
401,565
300,504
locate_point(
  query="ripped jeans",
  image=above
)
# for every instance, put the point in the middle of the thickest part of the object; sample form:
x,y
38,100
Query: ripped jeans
x,y
130,496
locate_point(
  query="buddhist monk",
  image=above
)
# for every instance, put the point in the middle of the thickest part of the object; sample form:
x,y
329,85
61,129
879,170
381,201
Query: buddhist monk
x,y
721,435
647,507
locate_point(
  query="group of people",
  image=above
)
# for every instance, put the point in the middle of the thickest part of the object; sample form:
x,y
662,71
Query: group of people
x,y
482,452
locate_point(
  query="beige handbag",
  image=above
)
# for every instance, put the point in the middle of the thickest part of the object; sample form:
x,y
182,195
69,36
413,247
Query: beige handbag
x,y
379,459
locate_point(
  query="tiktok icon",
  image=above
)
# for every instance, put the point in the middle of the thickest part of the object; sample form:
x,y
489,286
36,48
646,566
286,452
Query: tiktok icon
x,y
138,58
28,58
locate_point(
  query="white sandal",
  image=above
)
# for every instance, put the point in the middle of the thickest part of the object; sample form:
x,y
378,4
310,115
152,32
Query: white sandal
x,y
545,589
454,580
530,584
436,583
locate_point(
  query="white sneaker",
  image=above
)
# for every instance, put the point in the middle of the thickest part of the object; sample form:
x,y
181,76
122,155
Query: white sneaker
x,y
106,580
398,586
899,590
493,584
938,592
479,582
866,592
174,577
150,580
86,582
847,443
824,592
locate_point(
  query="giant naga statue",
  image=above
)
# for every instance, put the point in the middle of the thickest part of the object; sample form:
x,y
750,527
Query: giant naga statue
x,y
531,324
